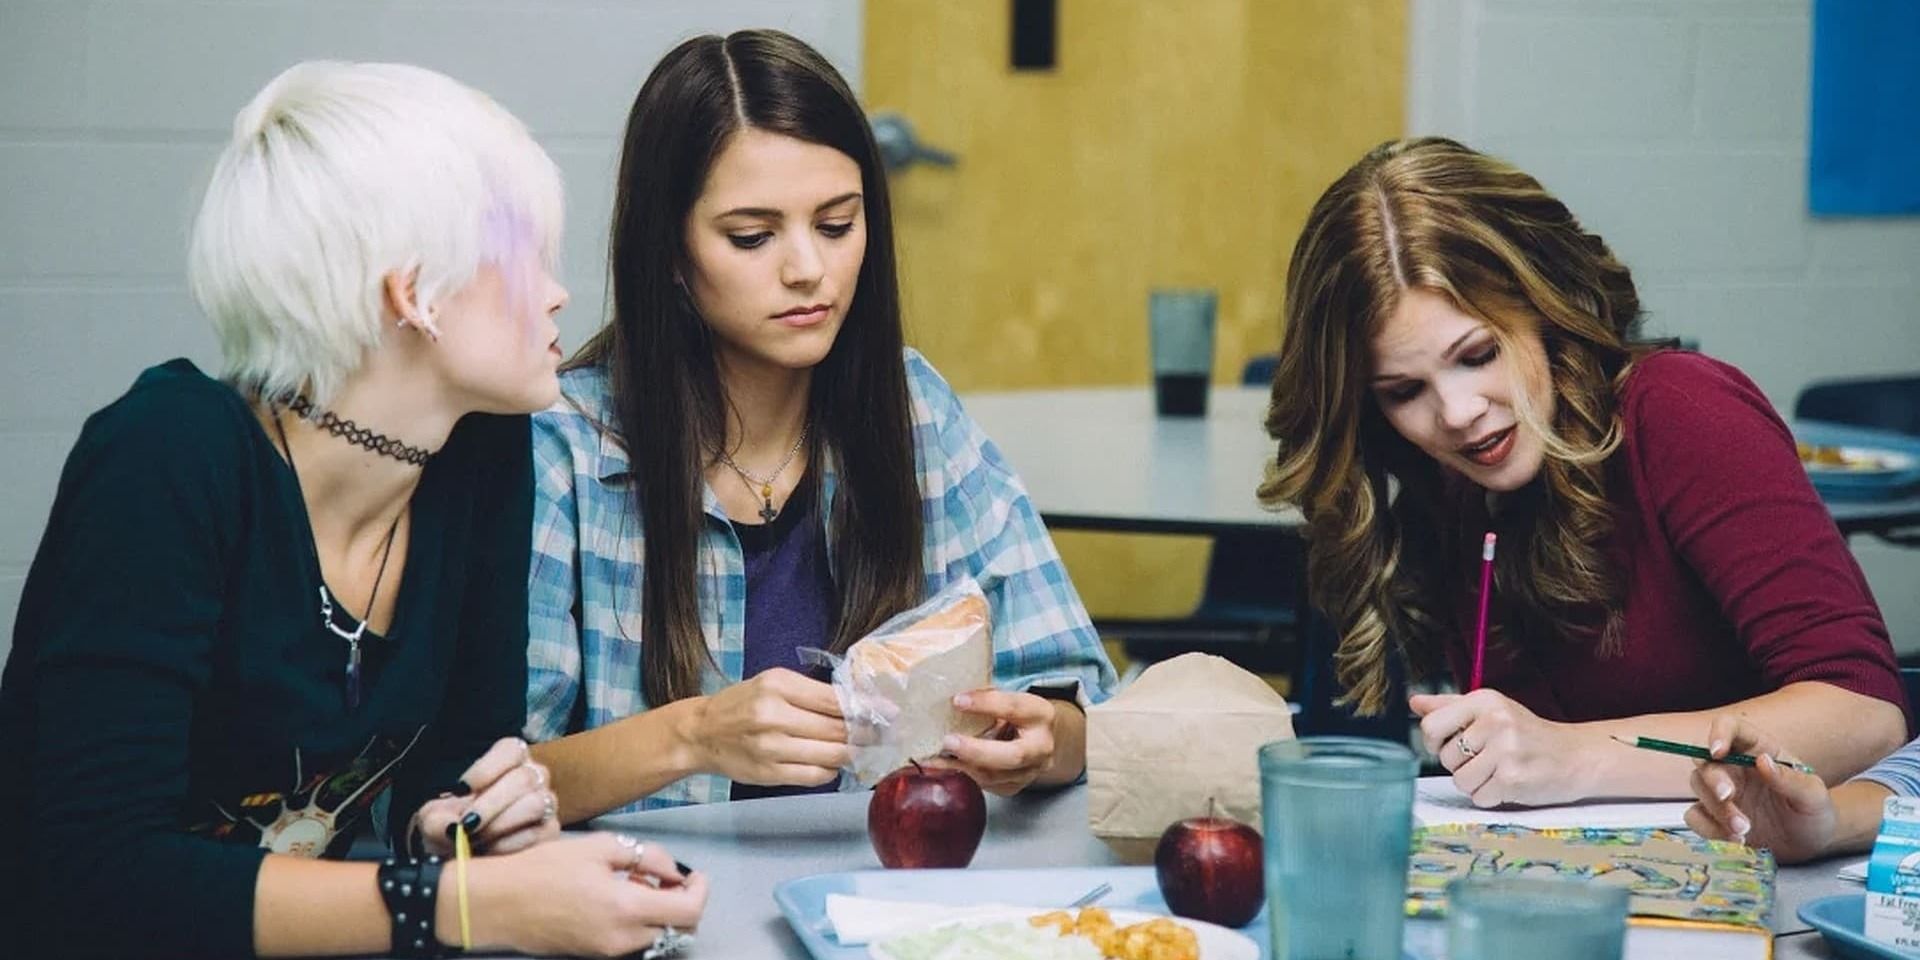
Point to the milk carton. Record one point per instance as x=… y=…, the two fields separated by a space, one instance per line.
x=1893 y=877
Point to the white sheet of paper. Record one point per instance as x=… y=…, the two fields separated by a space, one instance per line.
x=1854 y=872
x=1436 y=800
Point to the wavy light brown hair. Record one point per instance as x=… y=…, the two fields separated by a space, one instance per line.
x=1390 y=568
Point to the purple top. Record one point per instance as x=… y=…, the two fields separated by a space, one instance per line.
x=790 y=600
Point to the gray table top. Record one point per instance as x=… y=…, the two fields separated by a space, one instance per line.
x=1099 y=458
x=749 y=848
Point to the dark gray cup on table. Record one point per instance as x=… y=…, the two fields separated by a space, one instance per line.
x=1180 y=333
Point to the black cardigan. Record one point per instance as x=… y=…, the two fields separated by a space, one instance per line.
x=172 y=704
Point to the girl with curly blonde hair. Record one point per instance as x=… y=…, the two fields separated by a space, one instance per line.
x=1462 y=357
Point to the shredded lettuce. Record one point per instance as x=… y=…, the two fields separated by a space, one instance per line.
x=998 y=941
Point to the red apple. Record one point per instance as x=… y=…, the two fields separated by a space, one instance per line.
x=1209 y=869
x=926 y=817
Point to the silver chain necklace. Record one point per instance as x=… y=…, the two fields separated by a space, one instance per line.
x=764 y=485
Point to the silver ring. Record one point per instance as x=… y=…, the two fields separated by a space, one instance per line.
x=670 y=943
x=632 y=843
x=550 y=812
x=1466 y=749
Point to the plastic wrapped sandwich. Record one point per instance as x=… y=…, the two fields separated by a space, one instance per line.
x=896 y=685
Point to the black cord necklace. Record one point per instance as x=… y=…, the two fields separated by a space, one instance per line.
x=356 y=434
x=352 y=637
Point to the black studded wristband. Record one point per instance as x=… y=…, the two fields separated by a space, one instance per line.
x=411 y=889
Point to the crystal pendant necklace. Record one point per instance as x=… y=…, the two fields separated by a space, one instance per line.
x=359 y=631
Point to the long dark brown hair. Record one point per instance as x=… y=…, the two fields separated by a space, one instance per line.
x=1433 y=215
x=659 y=354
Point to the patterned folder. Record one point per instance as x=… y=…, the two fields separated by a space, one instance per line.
x=1672 y=873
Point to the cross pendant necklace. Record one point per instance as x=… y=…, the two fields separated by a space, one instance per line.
x=764 y=485
x=767 y=512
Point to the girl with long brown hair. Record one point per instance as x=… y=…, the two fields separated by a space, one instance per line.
x=1461 y=357
x=747 y=462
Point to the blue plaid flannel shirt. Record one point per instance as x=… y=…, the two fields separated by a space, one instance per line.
x=583 y=666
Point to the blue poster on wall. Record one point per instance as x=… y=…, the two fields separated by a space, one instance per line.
x=1865 y=152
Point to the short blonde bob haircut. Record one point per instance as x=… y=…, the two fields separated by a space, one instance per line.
x=338 y=174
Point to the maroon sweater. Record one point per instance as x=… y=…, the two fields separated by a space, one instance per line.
x=1737 y=580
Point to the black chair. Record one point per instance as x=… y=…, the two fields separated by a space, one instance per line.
x=1246 y=613
x=1884 y=403
x=1316 y=688
x=1259 y=371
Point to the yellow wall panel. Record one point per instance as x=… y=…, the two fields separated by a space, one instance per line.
x=1176 y=143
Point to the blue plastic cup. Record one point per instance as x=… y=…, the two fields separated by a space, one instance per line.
x=1493 y=918
x=1337 y=816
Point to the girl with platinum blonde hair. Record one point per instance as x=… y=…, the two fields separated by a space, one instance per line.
x=262 y=601
x=1462 y=356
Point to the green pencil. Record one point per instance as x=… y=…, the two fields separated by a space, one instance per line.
x=1700 y=753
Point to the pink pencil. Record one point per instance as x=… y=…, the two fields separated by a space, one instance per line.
x=1480 y=632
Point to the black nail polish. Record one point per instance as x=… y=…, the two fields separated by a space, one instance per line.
x=685 y=870
x=451 y=827
x=471 y=821
x=460 y=788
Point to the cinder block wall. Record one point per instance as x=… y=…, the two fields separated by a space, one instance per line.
x=1678 y=130
x=111 y=114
